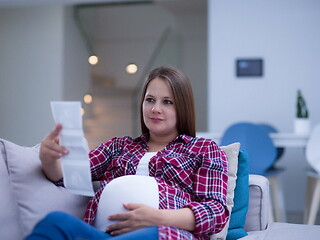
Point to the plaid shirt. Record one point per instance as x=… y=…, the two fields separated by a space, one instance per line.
x=191 y=172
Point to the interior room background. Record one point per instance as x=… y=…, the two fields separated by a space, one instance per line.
x=43 y=57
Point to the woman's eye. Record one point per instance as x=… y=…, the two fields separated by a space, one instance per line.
x=149 y=100
x=167 y=102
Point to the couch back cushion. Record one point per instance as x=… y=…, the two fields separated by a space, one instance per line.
x=241 y=199
x=35 y=194
x=10 y=225
x=238 y=193
x=232 y=152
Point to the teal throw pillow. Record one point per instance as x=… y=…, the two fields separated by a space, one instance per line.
x=241 y=199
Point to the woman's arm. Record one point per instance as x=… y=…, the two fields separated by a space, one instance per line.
x=210 y=183
x=181 y=218
x=141 y=216
x=50 y=153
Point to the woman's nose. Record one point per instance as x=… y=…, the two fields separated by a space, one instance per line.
x=156 y=108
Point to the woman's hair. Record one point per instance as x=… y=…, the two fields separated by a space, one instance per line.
x=182 y=97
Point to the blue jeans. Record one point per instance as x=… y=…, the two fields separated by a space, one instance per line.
x=63 y=226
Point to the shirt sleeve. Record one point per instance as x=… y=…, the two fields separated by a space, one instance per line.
x=210 y=192
x=99 y=158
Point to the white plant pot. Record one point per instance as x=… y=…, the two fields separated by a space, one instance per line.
x=302 y=125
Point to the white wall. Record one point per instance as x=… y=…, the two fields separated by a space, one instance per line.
x=75 y=60
x=193 y=28
x=286 y=35
x=39 y=62
x=30 y=71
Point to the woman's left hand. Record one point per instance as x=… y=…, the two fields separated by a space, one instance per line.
x=139 y=216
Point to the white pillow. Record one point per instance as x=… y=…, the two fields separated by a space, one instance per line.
x=232 y=152
x=10 y=220
x=35 y=194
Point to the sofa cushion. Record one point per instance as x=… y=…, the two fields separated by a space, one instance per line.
x=10 y=225
x=241 y=199
x=232 y=152
x=35 y=194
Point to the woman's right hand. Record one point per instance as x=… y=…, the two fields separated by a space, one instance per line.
x=50 y=153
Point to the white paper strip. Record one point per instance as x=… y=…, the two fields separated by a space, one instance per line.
x=76 y=164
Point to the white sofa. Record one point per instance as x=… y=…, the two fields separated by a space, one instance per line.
x=27 y=196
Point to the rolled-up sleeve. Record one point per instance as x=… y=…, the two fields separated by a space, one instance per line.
x=210 y=192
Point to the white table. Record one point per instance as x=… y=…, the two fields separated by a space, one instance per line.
x=279 y=139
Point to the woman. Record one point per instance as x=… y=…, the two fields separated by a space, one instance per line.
x=191 y=173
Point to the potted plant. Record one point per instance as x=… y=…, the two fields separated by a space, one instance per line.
x=302 y=122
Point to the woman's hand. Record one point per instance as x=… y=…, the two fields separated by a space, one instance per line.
x=50 y=152
x=139 y=216
x=50 y=149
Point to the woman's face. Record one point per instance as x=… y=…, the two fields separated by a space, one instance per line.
x=159 y=113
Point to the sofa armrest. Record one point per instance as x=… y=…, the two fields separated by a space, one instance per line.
x=257 y=215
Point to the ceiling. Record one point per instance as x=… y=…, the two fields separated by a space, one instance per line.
x=184 y=6
x=15 y=3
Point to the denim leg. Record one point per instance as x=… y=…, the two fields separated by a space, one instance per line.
x=63 y=226
x=149 y=233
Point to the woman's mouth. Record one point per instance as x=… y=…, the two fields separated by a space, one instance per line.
x=156 y=119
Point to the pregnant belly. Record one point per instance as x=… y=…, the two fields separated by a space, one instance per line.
x=126 y=189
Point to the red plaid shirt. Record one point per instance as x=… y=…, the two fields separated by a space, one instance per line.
x=191 y=172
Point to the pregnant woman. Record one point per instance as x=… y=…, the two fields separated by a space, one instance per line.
x=164 y=184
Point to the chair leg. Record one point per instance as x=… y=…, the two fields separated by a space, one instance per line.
x=314 y=203
x=277 y=199
x=271 y=215
x=271 y=204
x=309 y=190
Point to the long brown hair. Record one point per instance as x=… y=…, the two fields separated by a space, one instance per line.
x=182 y=96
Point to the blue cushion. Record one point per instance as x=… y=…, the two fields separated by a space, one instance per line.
x=241 y=199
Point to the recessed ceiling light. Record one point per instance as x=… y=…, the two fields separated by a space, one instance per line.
x=93 y=59
x=131 y=68
x=87 y=98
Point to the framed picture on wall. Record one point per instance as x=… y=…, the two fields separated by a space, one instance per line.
x=249 y=67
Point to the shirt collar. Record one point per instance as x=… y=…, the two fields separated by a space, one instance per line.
x=183 y=137
x=142 y=138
